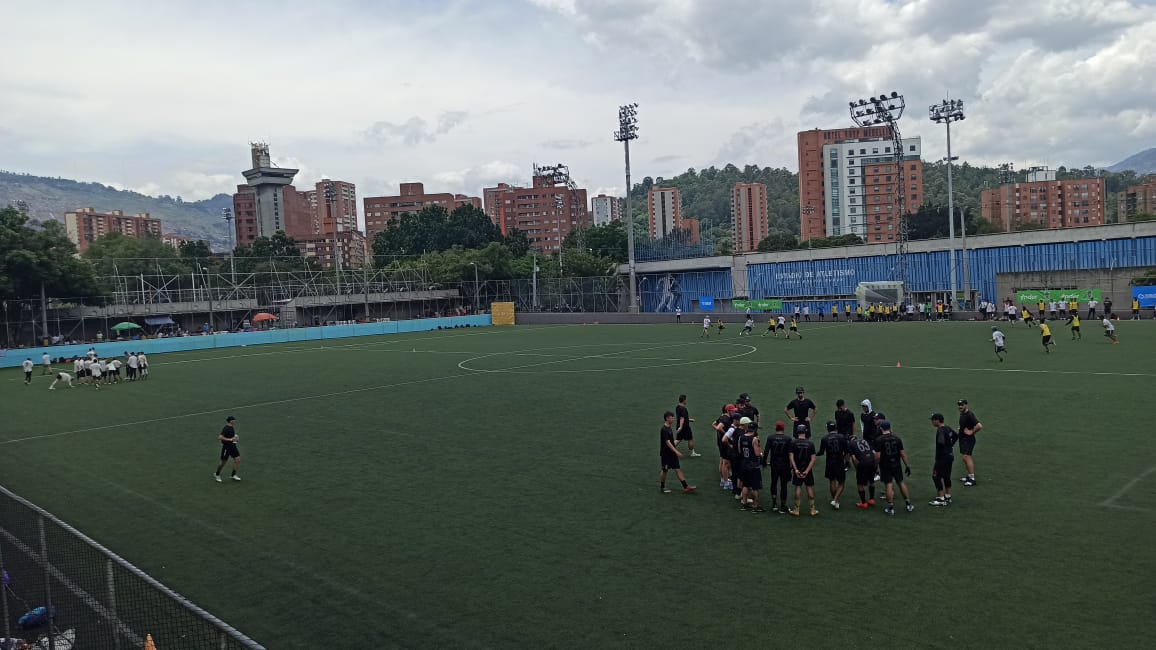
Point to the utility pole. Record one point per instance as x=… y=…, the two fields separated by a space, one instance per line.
x=945 y=113
x=535 y=282
x=227 y=215
x=627 y=131
x=963 y=240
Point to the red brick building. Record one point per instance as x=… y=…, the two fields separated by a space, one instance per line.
x=1044 y=202
x=351 y=243
x=86 y=225
x=296 y=211
x=380 y=211
x=663 y=211
x=546 y=212
x=1137 y=199
x=749 y=216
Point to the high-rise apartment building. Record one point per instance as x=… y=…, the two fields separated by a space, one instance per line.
x=380 y=211
x=664 y=211
x=352 y=245
x=547 y=211
x=749 y=215
x=605 y=209
x=1044 y=202
x=1137 y=199
x=849 y=182
x=86 y=225
x=268 y=202
x=334 y=205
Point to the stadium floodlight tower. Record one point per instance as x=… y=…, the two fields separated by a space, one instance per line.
x=885 y=110
x=946 y=112
x=627 y=131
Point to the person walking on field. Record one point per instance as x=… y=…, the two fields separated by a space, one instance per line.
x=228 y=438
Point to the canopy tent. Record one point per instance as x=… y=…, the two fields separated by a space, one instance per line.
x=158 y=320
x=263 y=316
x=126 y=325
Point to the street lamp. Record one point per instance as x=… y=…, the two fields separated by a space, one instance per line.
x=477 y=287
x=627 y=131
x=945 y=113
x=227 y=215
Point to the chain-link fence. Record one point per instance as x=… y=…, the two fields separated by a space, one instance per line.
x=63 y=591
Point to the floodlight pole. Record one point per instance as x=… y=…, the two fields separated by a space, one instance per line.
x=227 y=215
x=885 y=110
x=946 y=112
x=627 y=131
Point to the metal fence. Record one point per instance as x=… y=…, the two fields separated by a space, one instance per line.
x=91 y=598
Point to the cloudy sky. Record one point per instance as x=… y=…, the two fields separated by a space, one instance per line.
x=163 y=97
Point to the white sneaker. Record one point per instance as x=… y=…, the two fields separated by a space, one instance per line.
x=695 y=454
x=834 y=504
x=236 y=478
x=217 y=477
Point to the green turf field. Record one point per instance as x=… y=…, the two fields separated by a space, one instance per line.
x=498 y=487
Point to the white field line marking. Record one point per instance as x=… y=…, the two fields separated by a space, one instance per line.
x=1007 y=370
x=572 y=358
x=290 y=400
x=296 y=568
x=516 y=369
x=1110 y=502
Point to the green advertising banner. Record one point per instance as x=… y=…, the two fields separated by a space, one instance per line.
x=1059 y=295
x=761 y=304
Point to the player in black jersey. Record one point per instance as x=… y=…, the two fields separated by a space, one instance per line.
x=682 y=430
x=834 y=447
x=670 y=455
x=801 y=410
x=844 y=419
x=945 y=438
x=752 y=475
x=777 y=456
x=802 y=466
x=863 y=458
x=721 y=425
x=228 y=438
x=892 y=462
x=969 y=425
x=867 y=419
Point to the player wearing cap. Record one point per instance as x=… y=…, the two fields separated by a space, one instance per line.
x=61 y=376
x=1046 y=336
x=892 y=462
x=834 y=447
x=969 y=425
x=776 y=455
x=1074 y=322
x=945 y=438
x=802 y=466
x=27 y=366
x=800 y=410
x=682 y=422
x=747 y=326
x=722 y=424
x=1110 y=329
x=745 y=408
x=228 y=438
x=752 y=475
x=705 y=327
x=997 y=337
x=731 y=445
x=667 y=452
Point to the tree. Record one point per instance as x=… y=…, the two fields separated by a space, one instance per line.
x=1142 y=216
x=197 y=250
x=608 y=241
x=434 y=229
x=32 y=259
x=117 y=254
x=517 y=242
x=780 y=241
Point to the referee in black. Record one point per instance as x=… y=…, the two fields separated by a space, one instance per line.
x=228 y=438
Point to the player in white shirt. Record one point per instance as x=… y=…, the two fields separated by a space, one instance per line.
x=142 y=364
x=114 y=371
x=678 y=315
x=997 y=338
x=46 y=364
x=27 y=366
x=103 y=363
x=747 y=326
x=77 y=368
x=91 y=353
x=1110 y=330
x=705 y=327
x=133 y=364
x=61 y=376
x=94 y=370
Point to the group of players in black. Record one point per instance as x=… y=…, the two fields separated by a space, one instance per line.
x=877 y=454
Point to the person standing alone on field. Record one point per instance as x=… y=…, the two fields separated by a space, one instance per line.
x=997 y=337
x=682 y=428
x=1110 y=329
x=801 y=410
x=27 y=366
x=228 y=438
x=678 y=315
x=45 y=364
x=670 y=455
x=705 y=327
x=969 y=425
x=941 y=472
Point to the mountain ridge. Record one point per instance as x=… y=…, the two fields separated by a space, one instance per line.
x=1143 y=162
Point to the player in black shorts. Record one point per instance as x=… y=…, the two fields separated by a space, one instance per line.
x=682 y=422
x=844 y=419
x=722 y=424
x=752 y=474
x=228 y=438
x=945 y=439
x=834 y=447
x=863 y=458
x=867 y=421
x=802 y=466
x=777 y=456
x=670 y=455
x=969 y=425
x=892 y=462
x=801 y=410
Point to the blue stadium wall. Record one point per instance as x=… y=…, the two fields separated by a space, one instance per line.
x=834 y=280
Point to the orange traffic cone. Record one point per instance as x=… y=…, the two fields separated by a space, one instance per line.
x=149 y=645
x=898 y=365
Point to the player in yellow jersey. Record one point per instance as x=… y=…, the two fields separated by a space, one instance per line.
x=859 y=311
x=1074 y=321
x=794 y=329
x=847 y=311
x=1046 y=336
x=1027 y=316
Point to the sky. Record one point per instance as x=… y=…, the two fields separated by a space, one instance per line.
x=164 y=97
